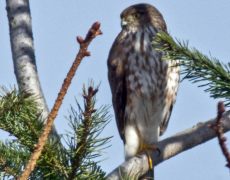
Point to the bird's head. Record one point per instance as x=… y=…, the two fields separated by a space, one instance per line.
x=140 y=15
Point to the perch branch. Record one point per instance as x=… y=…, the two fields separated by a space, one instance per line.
x=170 y=147
x=84 y=43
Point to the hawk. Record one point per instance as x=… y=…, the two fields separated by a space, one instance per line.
x=143 y=86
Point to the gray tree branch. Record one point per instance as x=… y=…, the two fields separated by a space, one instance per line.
x=22 y=47
x=169 y=148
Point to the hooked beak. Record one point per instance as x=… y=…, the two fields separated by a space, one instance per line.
x=123 y=22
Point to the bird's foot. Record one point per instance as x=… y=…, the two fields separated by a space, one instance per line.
x=148 y=149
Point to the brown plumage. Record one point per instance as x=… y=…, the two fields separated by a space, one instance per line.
x=143 y=85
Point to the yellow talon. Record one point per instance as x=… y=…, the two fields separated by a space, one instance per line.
x=147 y=148
x=150 y=162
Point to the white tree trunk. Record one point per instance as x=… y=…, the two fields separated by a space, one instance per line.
x=22 y=47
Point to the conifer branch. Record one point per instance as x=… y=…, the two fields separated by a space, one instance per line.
x=197 y=67
x=19 y=117
x=87 y=125
x=12 y=159
x=84 y=43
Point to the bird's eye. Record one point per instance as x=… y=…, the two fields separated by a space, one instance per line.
x=136 y=15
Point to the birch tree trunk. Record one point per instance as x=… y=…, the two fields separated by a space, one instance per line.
x=22 y=47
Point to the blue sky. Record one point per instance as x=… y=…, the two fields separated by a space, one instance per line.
x=204 y=23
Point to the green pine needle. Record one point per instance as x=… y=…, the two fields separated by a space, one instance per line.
x=85 y=145
x=20 y=117
x=209 y=72
x=12 y=159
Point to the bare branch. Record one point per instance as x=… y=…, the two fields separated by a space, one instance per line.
x=218 y=127
x=84 y=43
x=170 y=147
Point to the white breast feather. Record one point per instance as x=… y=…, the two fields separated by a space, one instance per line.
x=145 y=114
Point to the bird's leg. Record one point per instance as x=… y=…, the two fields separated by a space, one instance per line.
x=148 y=149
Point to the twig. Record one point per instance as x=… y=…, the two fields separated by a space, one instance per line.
x=218 y=127
x=89 y=110
x=84 y=43
x=170 y=147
